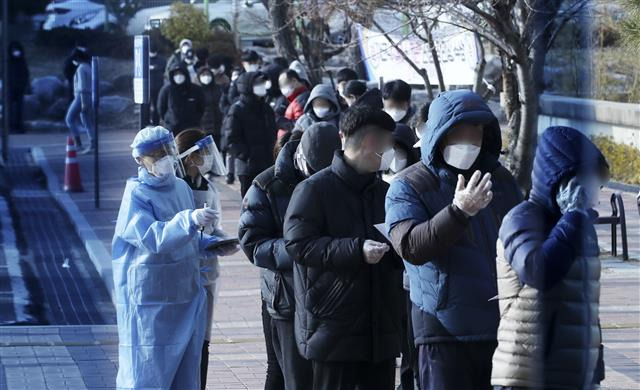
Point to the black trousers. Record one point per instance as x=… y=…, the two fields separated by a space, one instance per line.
x=297 y=371
x=245 y=183
x=275 y=379
x=204 y=365
x=354 y=376
x=456 y=365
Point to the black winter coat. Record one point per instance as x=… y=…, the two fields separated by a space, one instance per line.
x=346 y=309
x=260 y=231
x=249 y=129
x=180 y=106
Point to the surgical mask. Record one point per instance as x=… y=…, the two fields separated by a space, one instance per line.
x=396 y=114
x=260 y=89
x=17 y=53
x=179 y=78
x=287 y=90
x=385 y=159
x=252 y=67
x=74 y=62
x=164 y=166
x=207 y=162
x=321 y=112
x=397 y=164
x=218 y=70
x=461 y=156
x=206 y=79
x=234 y=76
x=185 y=48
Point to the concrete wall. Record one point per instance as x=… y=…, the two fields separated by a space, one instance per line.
x=621 y=121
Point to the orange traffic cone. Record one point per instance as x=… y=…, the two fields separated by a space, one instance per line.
x=72 y=180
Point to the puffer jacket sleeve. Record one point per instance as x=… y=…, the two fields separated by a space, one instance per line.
x=541 y=259
x=163 y=100
x=415 y=236
x=145 y=232
x=259 y=235
x=305 y=239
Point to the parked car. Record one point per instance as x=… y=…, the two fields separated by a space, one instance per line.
x=78 y=14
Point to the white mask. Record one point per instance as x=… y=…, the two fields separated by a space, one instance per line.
x=219 y=70
x=17 y=53
x=396 y=114
x=206 y=79
x=461 y=156
x=321 y=112
x=179 y=78
x=163 y=167
x=185 y=48
x=286 y=90
x=207 y=163
x=234 y=76
x=385 y=159
x=397 y=164
x=252 y=67
x=260 y=89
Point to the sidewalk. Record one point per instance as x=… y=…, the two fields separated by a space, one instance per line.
x=79 y=357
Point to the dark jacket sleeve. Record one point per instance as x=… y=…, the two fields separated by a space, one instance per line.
x=541 y=260
x=234 y=131
x=200 y=102
x=163 y=101
x=259 y=235
x=416 y=236
x=305 y=239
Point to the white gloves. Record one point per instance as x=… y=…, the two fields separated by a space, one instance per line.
x=475 y=196
x=373 y=251
x=204 y=217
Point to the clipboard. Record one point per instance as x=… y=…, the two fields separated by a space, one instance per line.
x=223 y=242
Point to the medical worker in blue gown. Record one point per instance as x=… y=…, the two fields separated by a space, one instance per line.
x=157 y=247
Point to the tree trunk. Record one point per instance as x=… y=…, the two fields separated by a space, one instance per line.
x=479 y=70
x=434 y=56
x=283 y=37
x=311 y=37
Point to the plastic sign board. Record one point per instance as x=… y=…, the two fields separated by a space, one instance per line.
x=141 y=69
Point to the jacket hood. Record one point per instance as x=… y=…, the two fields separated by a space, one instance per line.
x=562 y=153
x=245 y=82
x=450 y=108
x=175 y=69
x=323 y=91
x=285 y=170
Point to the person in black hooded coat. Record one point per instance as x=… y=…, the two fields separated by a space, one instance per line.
x=249 y=129
x=180 y=103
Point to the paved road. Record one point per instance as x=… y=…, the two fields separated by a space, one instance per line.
x=85 y=356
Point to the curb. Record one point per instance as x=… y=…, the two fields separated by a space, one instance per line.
x=98 y=254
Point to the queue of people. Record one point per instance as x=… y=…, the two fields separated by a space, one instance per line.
x=381 y=230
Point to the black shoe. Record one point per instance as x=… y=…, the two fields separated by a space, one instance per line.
x=230 y=179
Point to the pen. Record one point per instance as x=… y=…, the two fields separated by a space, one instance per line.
x=202 y=228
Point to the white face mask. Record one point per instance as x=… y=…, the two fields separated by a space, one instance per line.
x=185 y=48
x=461 y=156
x=163 y=167
x=321 y=112
x=74 y=62
x=397 y=164
x=260 y=89
x=219 y=70
x=179 y=78
x=17 y=53
x=396 y=114
x=252 y=67
x=207 y=163
x=385 y=159
x=234 y=76
x=206 y=79
x=286 y=90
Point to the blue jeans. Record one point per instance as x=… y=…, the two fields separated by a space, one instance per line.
x=79 y=117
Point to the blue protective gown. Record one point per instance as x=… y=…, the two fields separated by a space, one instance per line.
x=160 y=300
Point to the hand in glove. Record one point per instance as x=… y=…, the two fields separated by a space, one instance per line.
x=373 y=251
x=475 y=196
x=573 y=196
x=204 y=217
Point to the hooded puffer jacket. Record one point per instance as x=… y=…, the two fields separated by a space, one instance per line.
x=549 y=277
x=310 y=117
x=452 y=267
x=180 y=106
x=250 y=128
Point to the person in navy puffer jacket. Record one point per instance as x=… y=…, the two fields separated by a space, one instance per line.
x=443 y=215
x=549 y=272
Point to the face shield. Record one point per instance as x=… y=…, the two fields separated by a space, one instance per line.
x=159 y=156
x=206 y=157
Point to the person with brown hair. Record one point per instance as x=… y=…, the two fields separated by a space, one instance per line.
x=201 y=161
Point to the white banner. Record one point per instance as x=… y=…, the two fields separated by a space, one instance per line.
x=457 y=52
